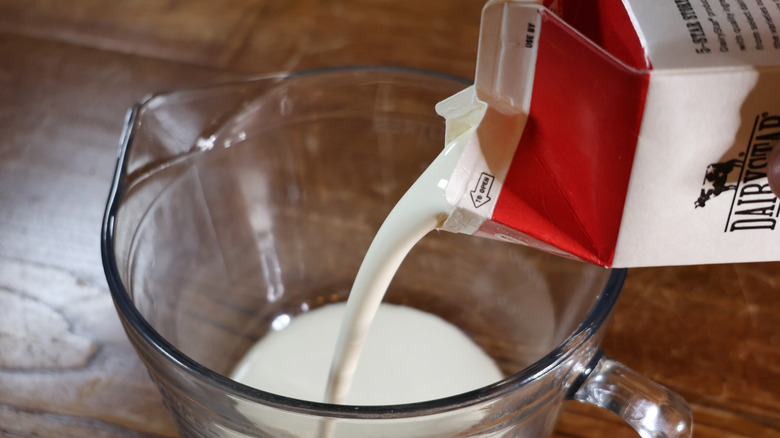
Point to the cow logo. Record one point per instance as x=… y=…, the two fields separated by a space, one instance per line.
x=752 y=206
x=716 y=180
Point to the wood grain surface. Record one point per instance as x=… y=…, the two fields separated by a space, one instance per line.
x=68 y=72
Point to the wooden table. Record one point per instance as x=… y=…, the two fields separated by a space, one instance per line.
x=68 y=72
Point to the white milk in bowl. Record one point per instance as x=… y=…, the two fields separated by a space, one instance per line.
x=408 y=356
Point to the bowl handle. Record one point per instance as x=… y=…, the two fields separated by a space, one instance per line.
x=651 y=409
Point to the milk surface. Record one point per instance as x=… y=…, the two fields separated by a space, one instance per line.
x=409 y=356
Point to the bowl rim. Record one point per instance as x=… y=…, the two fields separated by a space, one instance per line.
x=134 y=322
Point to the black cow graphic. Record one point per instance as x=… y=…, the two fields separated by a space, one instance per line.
x=717 y=175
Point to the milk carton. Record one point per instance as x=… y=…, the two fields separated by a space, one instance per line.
x=623 y=133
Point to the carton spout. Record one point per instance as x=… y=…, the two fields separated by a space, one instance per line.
x=489 y=117
x=488 y=138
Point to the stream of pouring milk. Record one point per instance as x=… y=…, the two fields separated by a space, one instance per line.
x=411 y=355
x=422 y=209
